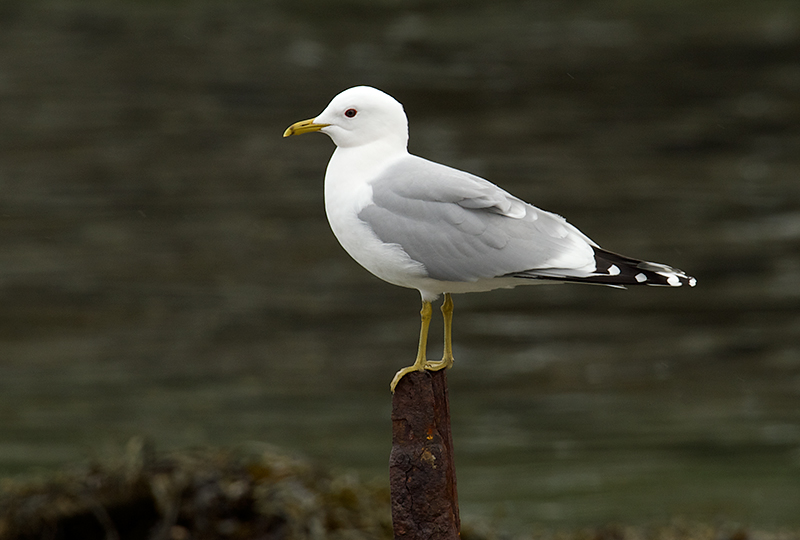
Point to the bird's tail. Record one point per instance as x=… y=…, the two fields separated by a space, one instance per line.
x=619 y=271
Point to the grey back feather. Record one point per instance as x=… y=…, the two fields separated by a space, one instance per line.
x=464 y=228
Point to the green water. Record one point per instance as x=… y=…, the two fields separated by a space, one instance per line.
x=166 y=269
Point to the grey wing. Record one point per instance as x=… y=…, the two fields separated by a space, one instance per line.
x=463 y=228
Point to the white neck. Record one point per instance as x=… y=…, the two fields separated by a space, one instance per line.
x=360 y=163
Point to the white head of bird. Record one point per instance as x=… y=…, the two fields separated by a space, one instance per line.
x=360 y=116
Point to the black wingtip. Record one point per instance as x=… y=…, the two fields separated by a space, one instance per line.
x=615 y=269
x=620 y=271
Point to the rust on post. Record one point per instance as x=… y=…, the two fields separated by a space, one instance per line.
x=422 y=472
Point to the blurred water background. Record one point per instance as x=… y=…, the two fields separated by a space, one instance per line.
x=166 y=268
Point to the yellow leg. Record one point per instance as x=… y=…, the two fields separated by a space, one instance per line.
x=447 y=358
x=419 y=363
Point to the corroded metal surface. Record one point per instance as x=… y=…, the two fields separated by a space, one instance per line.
x=421 y=467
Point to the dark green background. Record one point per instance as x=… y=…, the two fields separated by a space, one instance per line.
x=166 y=268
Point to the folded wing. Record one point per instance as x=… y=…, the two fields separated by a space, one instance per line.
x=463 y=228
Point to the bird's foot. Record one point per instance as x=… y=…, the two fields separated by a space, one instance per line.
x=429 y=365
x=405 y=371
x=436 y=365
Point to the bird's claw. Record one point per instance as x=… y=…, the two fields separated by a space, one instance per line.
x=436 y=365
x=403 y=372
x=430 y=365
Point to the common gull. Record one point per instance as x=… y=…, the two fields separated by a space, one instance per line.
x=426 y=226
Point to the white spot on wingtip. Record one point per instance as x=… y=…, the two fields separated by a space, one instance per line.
x=674 y=280
x=640 y=277
x=613 y=270
x=692 y=282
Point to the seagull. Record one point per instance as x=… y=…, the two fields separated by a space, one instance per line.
x=426 y=226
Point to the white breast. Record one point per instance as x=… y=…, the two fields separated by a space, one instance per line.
x=347 y=192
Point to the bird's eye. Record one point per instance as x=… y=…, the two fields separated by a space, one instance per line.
x=350 y=113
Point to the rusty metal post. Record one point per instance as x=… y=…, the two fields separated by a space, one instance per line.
x=422 y=473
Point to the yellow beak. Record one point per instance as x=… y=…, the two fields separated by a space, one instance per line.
x=306 y=126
